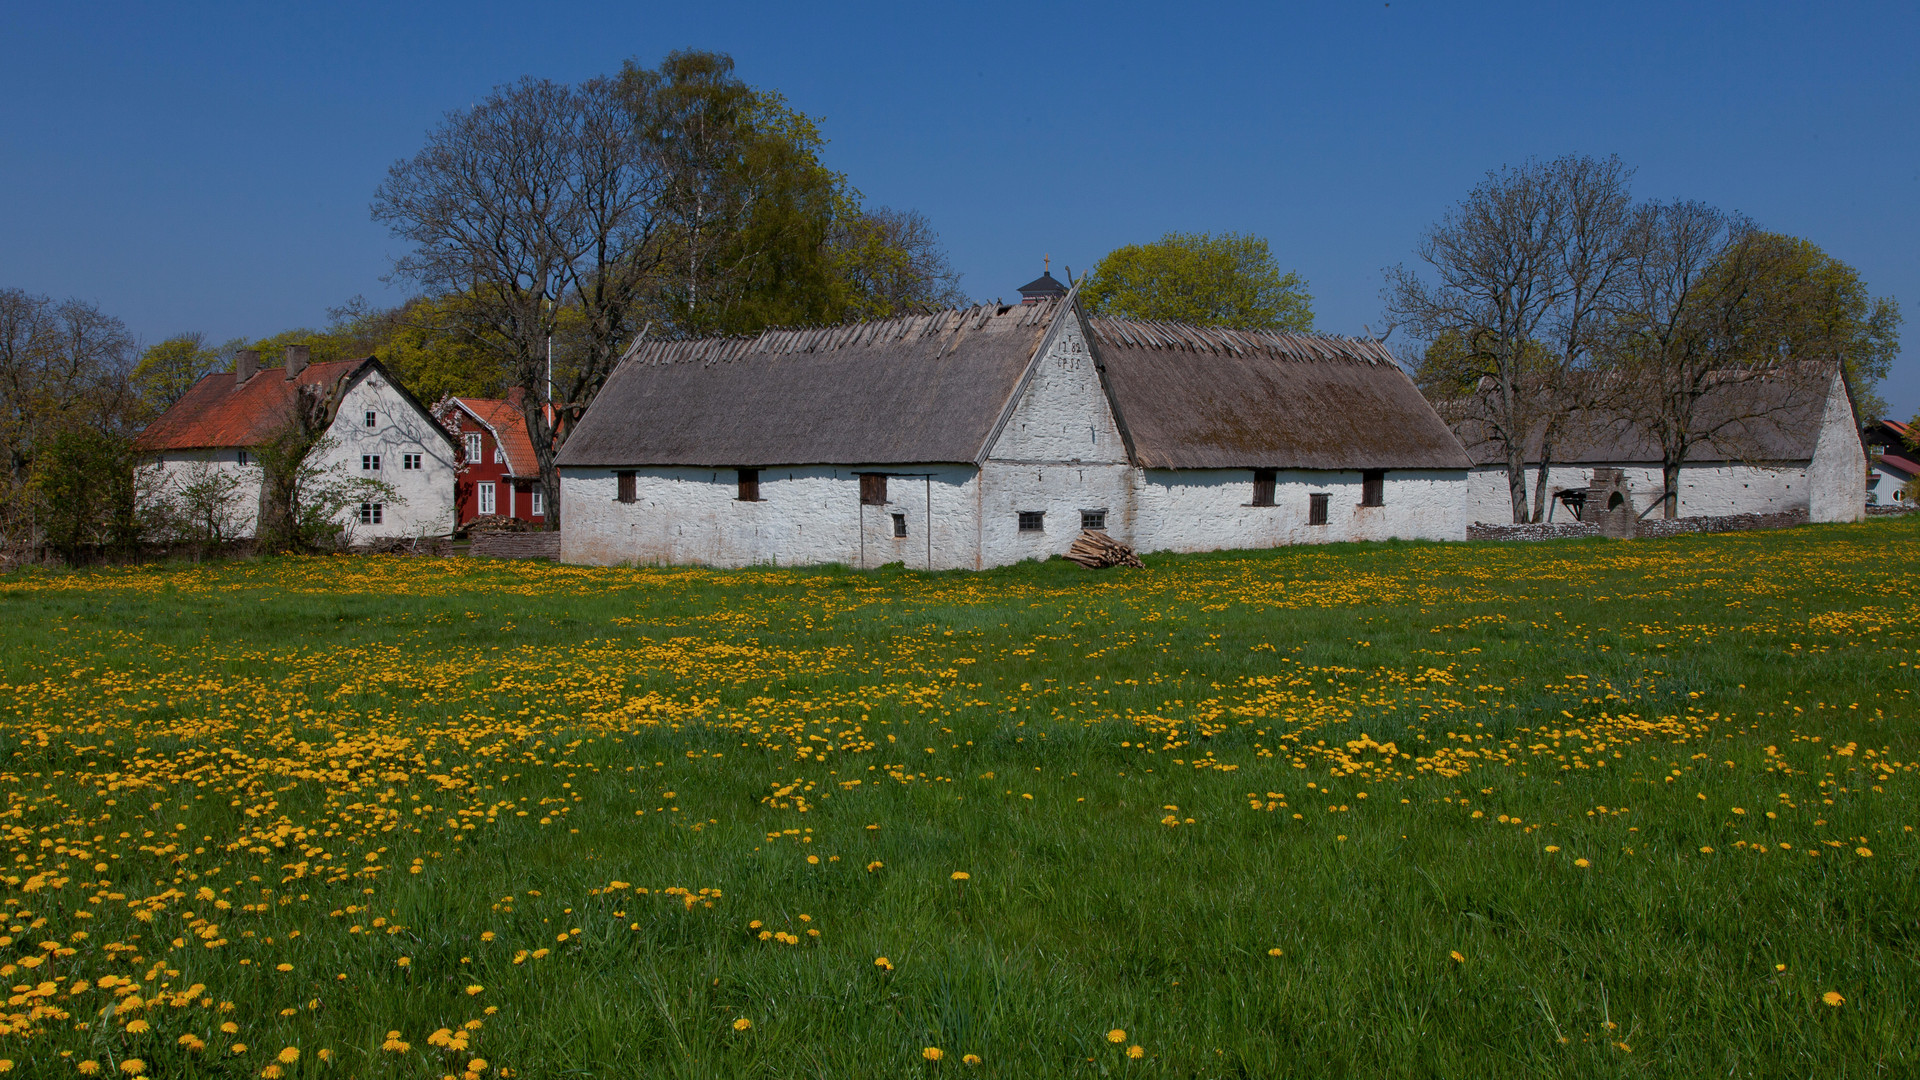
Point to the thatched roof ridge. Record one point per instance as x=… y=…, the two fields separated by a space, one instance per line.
x=787 y=341
x=1224 y=341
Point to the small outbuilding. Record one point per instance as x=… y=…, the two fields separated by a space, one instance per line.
x=981 y=437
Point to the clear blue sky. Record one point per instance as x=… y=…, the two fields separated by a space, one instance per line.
x=210 y=169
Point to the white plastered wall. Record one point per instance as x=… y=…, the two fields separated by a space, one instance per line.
x=1059 y=454
x=424 y=506
x=1708 y=489
x=1836 y=478
x=1211 y=509
x=806 y=515
x=165 y=476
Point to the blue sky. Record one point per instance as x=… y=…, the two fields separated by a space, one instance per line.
x=210 y=168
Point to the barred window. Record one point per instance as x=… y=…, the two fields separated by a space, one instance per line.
x=899 y=525
x=1093 y=520
x=1317 y=508
x=1033 y=521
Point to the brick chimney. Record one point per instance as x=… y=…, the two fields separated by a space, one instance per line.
x=246 y=363
x=296 y=360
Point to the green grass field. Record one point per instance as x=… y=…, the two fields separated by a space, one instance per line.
x=1571 y=809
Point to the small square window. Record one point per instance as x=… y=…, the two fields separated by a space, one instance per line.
x=1317 y=508
x=749 y=485
x=370 y=512
x=627 y=494
x=499 y=455
x=1033 y=521
x=411 y=462
x=369 y=462
x=373 y=418
x=1093 y=520
x=899 y=525
x=1373 y=487
x=473 y=447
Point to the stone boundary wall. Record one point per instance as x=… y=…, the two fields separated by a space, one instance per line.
x=1895 y=508
x=516 y=545
x=1652 y=528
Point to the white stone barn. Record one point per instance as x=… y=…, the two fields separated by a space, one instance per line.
x=978 y=438
x=1775 y=445
x=379 y=431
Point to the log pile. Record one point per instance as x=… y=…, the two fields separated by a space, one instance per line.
x=1097 y=551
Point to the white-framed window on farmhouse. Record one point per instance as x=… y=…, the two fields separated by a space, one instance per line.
x=538 y=506
x=411 y=462
x=473 y=447
x=373 y=418
x=486 y=498
x=371 y=512
x=369 y=462
x=499 y=455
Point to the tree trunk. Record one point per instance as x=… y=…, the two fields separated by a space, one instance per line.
x=1540 y=478
x=1517 y=484
x=1670 y=489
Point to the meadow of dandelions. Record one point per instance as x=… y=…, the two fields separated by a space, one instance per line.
x=1570 y=809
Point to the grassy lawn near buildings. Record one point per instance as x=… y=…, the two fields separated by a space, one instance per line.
x=1580 y=809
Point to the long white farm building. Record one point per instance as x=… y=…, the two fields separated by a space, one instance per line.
x=982 y=437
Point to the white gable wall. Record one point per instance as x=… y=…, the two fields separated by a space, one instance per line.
x=424 y=506
x=1837 y=476
x=164 y=476
x=1059 y=453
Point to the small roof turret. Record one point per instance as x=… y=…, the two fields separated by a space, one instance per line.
x=1045 y=287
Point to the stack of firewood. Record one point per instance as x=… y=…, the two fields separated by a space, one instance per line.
x=1097 y=551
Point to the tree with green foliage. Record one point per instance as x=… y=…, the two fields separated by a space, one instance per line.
x=166 y=371
x=84 y=483
x=1808 y=305
x=1227 y=280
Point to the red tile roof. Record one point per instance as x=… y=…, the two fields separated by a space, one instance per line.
x=509 y=426
x=218 y=413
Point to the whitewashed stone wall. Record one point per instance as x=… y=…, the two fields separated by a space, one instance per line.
x=1210 y=509
x=806 y=515
x=1837 y=476
x=164 y=477
x=1060 y=454
x=1706 y=490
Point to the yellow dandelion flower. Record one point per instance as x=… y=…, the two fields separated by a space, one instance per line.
x=230 y=1028
x=742 y=1024
x=970 y=1059
x=883 y=963
x=1117 y=1035
x=1458 y=957
x=1275 y=952
x=6 y=1064
x=288 y=1056
x=324 y=1054
x=1582 y=863
x=270 y=1072
x=283 y=967
x=932 y=1053
x=1779 y=967
x=1136 y=1052
x=89 y=1068
x=1553 y=849
x=405 y=961
x=238 y=1048
x=472 y=990
x=1833 y=998
x=138 y=1027
x=133 y=1066
x=961 y=875
x=1864 y=853
x=477 y=1065
x=1706 y=851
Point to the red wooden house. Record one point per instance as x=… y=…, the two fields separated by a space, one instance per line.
x=498 y=474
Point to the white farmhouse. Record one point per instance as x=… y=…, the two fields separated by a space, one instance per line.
x=1771 y=445
x=379 y=431
x=977 y=438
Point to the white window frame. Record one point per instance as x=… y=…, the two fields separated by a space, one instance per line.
x=372 y=418
x=411 y=463
x=369 y=462
x=537 y=505
x=487 y=501
x=473 y=447
x=371 y=513
x=499 y=454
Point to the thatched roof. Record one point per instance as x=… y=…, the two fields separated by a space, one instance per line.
x=1195 y=397
x=933 y=389
x=1752 y=419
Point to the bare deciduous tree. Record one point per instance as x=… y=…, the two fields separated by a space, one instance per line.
x=536 y=206
x=1698 y=363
